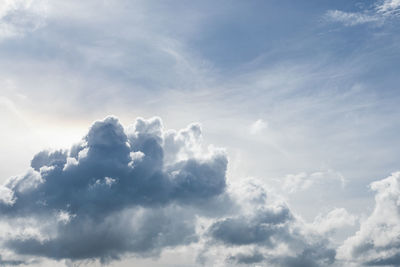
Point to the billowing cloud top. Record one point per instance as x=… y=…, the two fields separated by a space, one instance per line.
x=141 y=189
x=81 y=201
x=377 y=243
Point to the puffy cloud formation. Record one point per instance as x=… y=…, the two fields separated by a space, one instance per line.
x=335 y=219
x=141 y=189
x=264 y=231
x=377 y=243
x=119 y=190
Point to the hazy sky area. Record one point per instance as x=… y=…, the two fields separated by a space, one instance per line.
x=200 y=133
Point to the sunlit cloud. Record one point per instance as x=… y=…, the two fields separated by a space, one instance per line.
x=278 y=122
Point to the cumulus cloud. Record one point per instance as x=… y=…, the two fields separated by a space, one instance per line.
x=333 y=220
x=6 y=195
x=142 y=189
x=113 y=193
x=265 y=231
x=377 y=242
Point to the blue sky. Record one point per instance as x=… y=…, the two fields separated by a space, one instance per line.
x=302 y=95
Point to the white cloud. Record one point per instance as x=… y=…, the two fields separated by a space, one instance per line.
x=302 y=181
x=334 y=220
x=258 y=126
x=6 y=195
x=64 y=216
x=377 y=242
x=382 y=11
x=350 y=18
x=18 y=17
x=389 y=7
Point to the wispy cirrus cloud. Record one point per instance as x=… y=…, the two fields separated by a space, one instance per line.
x=303 y=181
x=389 y=7
x=350 y=18
x=381 y=11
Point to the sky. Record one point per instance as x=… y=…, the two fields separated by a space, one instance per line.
x=199 y=133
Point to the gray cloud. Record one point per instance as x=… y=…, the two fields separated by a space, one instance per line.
x=393 y=260
x=312 y=256
x=111 y=237
x=271 y=230
x=266 y=231
x=11 y=262
x=242 y=258
x=141 y=189
x=261 y=229
x=113 y=193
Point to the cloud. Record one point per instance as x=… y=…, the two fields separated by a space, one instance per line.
x=259 y=229
x=112 y=193
x=265 y=231
x=302 y=181
x=258 y=126
x=18 y=17
x=241 y=258
x=14 y=262
x=139 y=190
x=350 y=18
x=377 y=241
x=389 y=7
x=6 y=196
x=333 y=220
x=381 y=11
